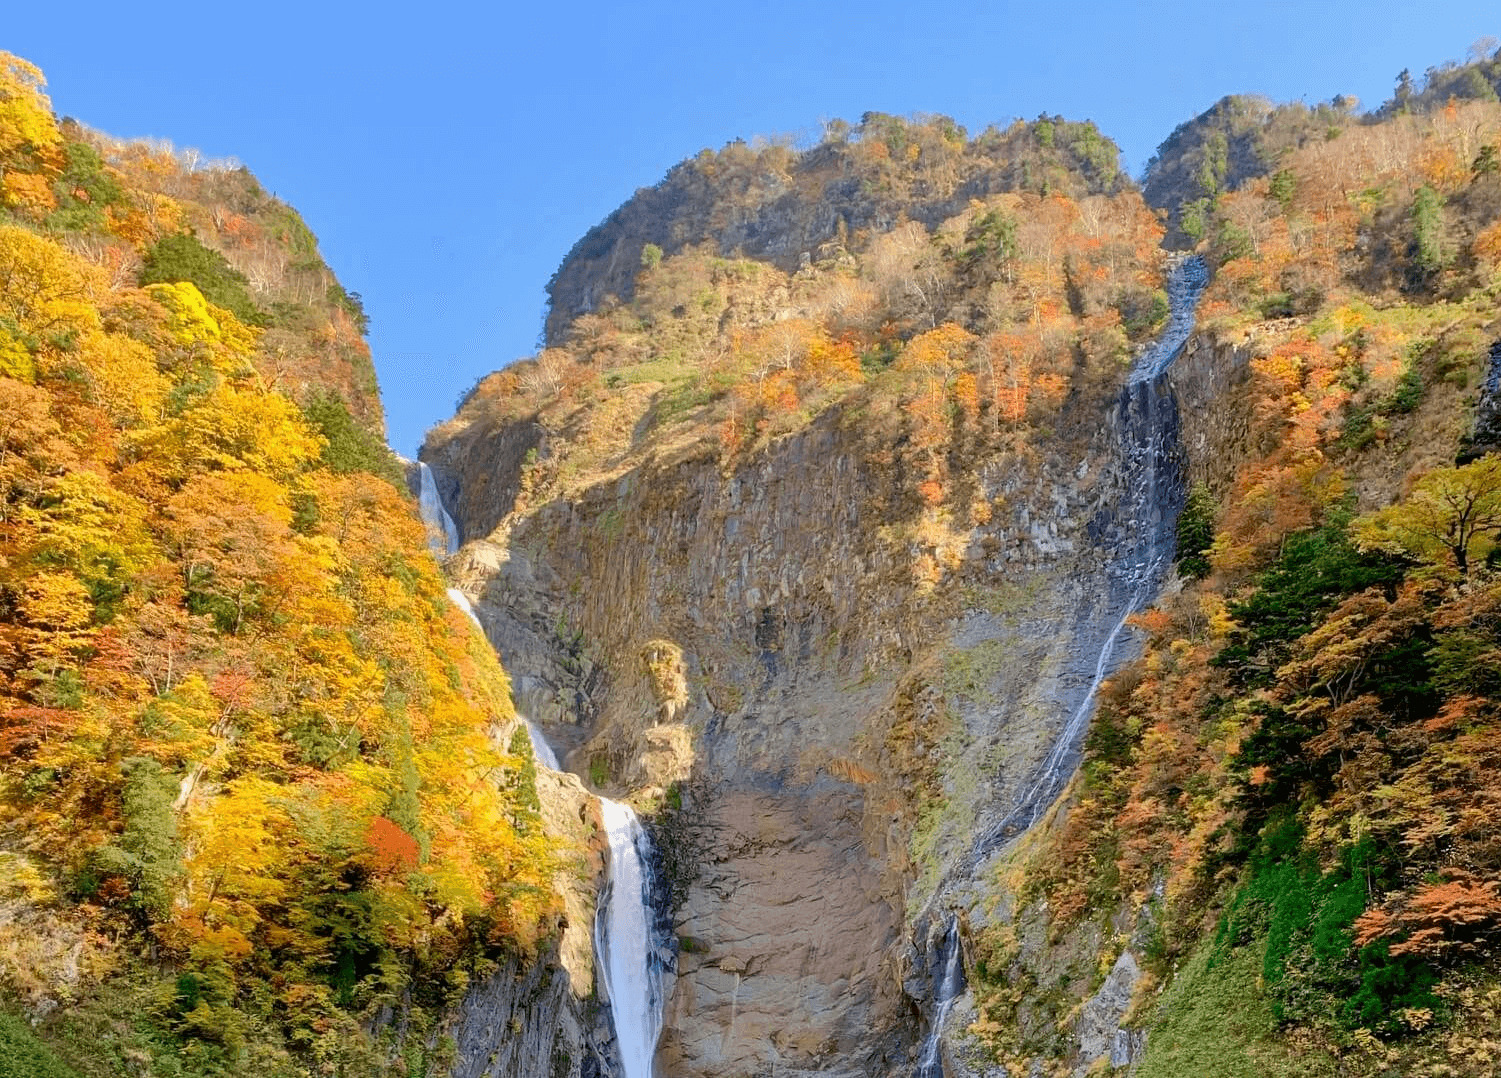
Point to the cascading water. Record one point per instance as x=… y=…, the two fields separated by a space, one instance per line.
x=540 y=748
x=1185 y=284
x=627 y=936
x=626 y=932
x=442 y=533
x=625 y=939
x=1146 y=525
x=948 y=987
x=460 y=600
x=1140 y=534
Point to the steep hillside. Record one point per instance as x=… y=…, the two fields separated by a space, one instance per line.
x=739 y=545
x=260 y=807
x=1239 y=138
x=1264 y=786
x=1245 y=137
x=821 y=560
x=776 y=205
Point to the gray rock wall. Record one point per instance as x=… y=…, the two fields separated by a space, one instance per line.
x=527 y=1021
x=848 y=731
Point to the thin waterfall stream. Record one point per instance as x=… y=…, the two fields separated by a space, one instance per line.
x=1152 y=484
x=627 y=935
x=948 y=988
x=1153 y=488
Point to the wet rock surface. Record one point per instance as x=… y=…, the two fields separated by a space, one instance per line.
x=824 y=693
x=1486 y=437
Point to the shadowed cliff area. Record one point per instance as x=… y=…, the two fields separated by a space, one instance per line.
x=1046 y=625
x=868 y=461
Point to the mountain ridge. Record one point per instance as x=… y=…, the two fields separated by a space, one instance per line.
x=810 y=532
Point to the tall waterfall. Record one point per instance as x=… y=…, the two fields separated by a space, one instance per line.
x=1145 y=525
x=948 y=988
x=625 y=941
x=627 y=937
x=442 y=533
x=626 y=933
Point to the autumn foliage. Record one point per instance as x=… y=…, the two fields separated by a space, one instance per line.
x=1304 y=759
x=241 y=726
x=962 y=338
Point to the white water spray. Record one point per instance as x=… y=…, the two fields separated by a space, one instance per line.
x=460 y=600
x=625 y=945
x=540 y=748
x=949 y=988
x=442 y=533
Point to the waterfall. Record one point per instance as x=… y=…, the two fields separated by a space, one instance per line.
x=540 y=748
x=442 y=533
x=626 y=929
x=625 y=941
x=460 y=600
x=1185 y=283
x=1147 y=521
x=949 y=987
x=627 y=935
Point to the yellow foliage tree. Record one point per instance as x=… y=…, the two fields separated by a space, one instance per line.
x=1451 y=518
x=29 y=138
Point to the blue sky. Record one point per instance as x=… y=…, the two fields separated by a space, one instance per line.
x=448 y=155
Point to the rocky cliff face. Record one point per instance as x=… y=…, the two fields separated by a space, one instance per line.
x=831 y=734
x=820 y=556
x=542 y=1016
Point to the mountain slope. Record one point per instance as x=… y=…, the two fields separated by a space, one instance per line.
x=817 y=556
x=772 y=204
x=259 y=811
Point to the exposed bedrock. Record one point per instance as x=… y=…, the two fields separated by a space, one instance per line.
x=830 y=739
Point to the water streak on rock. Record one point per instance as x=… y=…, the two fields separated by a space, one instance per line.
x=442 y=533
x=949 y=987
x=1147 y=416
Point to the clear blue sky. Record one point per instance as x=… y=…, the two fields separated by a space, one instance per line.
x=448 y=155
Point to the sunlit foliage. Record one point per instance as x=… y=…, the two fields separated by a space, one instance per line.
x=242 y=729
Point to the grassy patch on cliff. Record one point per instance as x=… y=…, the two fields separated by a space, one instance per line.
x=22 y=1055
x=1214 y=1022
